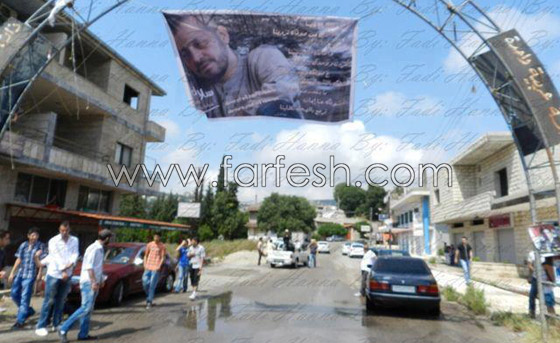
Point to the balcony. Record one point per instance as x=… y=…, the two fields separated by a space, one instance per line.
x=479 y=205
x=155 y=132
x=37 y=154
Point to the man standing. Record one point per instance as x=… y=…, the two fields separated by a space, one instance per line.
x=4 y=242
x=197 y=255
x=23 y=275
x=153 y=260
x=91 y=280
x=464 y=254
x=182 y=267
x=287 y=240
x=260 y=250
x=534 y=291
x=63 y=254
x=313 y=254
x=367 y=260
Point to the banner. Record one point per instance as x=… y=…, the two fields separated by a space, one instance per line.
x=244 y=65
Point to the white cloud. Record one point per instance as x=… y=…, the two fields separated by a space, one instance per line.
x=172 y=129
x=537 y=29
x=350 y=143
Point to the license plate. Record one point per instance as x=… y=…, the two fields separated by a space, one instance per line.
x=279 y=261
x=404 y=289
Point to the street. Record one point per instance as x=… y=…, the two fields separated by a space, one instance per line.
x=242 y=302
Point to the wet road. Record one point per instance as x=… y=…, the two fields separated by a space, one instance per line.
x=245 y=303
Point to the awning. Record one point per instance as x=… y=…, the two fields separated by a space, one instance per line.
x=50 y=214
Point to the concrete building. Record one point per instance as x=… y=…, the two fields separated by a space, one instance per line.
x=72 y=124
x=253 y=232
x=488 y=201
x=411 y=222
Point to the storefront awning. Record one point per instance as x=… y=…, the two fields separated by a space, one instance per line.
x=50 y=214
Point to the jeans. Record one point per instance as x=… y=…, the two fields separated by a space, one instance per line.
x=465 y=264
x=363 y=283
x=182 y=278
x=22 y=290
x=312 y=261
x=533 y=295
x=149 y=282
x=56 y=291
x=83 y=314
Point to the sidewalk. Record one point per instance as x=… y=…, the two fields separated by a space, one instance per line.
x=502 y=293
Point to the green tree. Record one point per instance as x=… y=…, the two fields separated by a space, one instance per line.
x=133 y=205
x=374 y=200
x=164 y=208
x=280 y=212
x=349 y=198
x=330 y=229
x=227 y=219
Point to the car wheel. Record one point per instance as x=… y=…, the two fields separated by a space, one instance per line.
x=370 y=306
x=272 y=265
x=169 y=281
x=295 y=264
x=117 y=295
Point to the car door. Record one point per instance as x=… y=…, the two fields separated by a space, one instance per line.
x=135 y=283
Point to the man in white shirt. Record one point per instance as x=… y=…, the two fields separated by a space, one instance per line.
x=367 y=259
x=196 y=258
x=91 y=280
x=63 y=254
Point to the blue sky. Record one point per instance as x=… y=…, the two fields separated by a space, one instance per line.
x=411 y=92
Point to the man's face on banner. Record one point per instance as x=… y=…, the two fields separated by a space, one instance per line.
x=203 y=52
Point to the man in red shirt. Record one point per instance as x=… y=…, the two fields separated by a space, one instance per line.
x=153 y=260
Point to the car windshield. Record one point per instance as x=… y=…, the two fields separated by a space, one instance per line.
x=401 y=266
x=323 y=243
x=357 y=245
x=347 y=244
x=391 y=253
x=118 y=255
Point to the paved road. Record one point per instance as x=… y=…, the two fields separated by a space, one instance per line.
x=244 y=303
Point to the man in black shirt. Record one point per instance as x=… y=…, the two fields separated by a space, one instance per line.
x=464 y=255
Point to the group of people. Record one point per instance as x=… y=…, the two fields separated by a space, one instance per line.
x=60 y=256
x=264 y=247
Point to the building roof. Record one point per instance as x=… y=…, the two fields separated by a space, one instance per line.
x=27 y=8
x=482 y=148
x=42 y=213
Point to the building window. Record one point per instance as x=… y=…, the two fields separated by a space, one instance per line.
x=436 y=194
x=477 y=222
x=502 y=187
x=40 y=190
x=131 y=96
x=123 y=155
x=93 y=200
x=457 y=225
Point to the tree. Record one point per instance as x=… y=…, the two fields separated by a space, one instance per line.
x=280 y=212
x=331 y=229
x=164 y=208
x=227 y=219
x=349 y=198
x=133 y=205
x=374 y=200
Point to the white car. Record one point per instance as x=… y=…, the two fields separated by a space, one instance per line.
x=346 y=248
x=323 y=247
x=356 y=250
x=280 y=257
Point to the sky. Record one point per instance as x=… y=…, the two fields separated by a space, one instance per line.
x=416 y=100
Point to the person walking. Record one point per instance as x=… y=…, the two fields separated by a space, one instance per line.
x=182 y=267
x=23 y=275
x=63 y=255
x=464 y=255
x=91 y=280
x=367 y=261
x=534 y=290
x=313 y=254
x=196 y=255
x=4 y=242
x=153 y=260
x=260 y=250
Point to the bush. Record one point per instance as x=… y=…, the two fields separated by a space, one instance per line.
x=475 y=300
x=476 y=259
x=440 y=252
x=450 y=294
x=316 y=236
x=432 y=260
x=515 y=322
x=205 y=233
x=331 y=229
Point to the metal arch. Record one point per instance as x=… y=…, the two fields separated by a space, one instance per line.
x=40 y=16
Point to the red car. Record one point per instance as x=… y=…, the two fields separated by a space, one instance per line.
x=123 y=269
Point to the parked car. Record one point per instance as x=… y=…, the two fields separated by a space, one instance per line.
x=402 y=281
x=346 y=248
x=389 y=252
x=293 y=256
x=356 y=250
x=323 y=247
x=123 y=269
x=335 y=238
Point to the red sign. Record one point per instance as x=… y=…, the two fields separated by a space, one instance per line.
x=503 y=220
